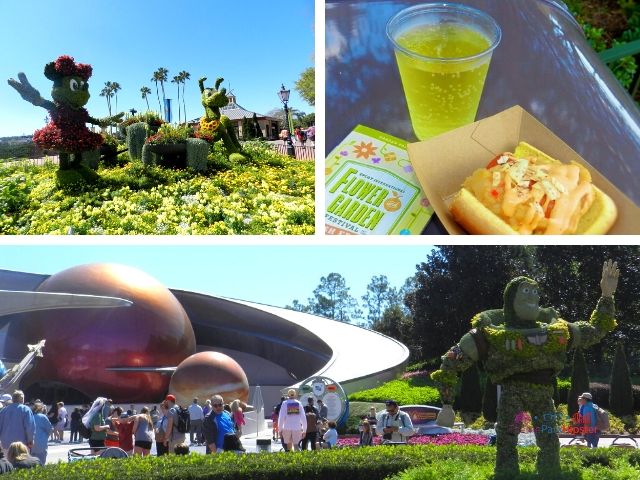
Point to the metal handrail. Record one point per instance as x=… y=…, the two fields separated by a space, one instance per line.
x=616 y=53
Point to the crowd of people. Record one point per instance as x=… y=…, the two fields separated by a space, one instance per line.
x=299 y=134
x=27 y=430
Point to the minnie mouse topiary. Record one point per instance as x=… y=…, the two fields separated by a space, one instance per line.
x=67 y=131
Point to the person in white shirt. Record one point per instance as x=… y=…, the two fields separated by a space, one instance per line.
x=393 y=424
x=292 y=421
x=196 y=416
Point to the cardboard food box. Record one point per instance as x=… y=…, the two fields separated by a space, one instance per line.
x=444 y=162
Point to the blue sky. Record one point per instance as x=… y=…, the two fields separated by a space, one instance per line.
x=273 y=275
x=255 y=45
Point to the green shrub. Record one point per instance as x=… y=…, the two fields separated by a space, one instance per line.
x=621 y=390
x=136 y=135
x=14 y=191
x=76 y=180
x=469 y=399
x=596 y=456
x=197 y=153
x=579 y=381
x=490 y=401
x=370 y=463
x=449 y=469
x=405 y=392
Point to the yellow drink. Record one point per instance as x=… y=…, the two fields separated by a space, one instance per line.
x=442 y=95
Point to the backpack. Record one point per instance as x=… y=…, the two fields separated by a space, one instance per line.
x=602 y=419
x=184 y=420
x=84 y=431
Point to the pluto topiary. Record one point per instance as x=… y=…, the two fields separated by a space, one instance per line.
x=136 y=135
x=67 y=131
x=523 y=348
x=213 y=125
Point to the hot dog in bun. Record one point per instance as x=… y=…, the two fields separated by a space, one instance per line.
x=528 y=192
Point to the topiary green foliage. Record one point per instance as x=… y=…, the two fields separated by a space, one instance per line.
x=579 y=381
x=523 y=348
x=148 y=157
x=91 y=159
x=621 y=391
x=136 y=136
x=213 y=125
x=197 y=153
x=67 y=131
x=75 y=180
x=490 y=401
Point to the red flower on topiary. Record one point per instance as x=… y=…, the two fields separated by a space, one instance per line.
x=67 y=132
x=66 y=67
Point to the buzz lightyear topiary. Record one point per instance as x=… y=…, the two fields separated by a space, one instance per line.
x=67 y=131
x=523 y=348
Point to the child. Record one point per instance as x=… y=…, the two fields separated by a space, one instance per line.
x=366 y=434
x=331 y=435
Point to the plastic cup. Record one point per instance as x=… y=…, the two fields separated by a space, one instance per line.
x=443 y=51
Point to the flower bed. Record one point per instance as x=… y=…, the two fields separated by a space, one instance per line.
x=267 y=196
x=445 y=439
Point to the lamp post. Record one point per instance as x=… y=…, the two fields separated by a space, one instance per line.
x=284 y=97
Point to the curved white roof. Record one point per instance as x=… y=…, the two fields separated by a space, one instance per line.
x=358 y=353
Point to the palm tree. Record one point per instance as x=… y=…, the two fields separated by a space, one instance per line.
x=156 y=78
x=107 y=92
x=145 y=91
x=115 y=86
x=184 y=76
x=176 y=80
x=162 y=77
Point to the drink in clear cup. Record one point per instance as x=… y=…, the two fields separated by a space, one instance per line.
x=443 y=52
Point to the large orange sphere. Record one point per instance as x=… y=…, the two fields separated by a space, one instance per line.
x=83 y=343
x=206 y=374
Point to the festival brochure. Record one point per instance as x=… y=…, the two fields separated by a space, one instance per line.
x=371 y=188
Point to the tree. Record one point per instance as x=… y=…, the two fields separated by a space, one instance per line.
x=256 y=127
x=579 y=381
x=308 y=119
x=380 y=296
x=184 y=76
x=145 y=91
x=332 y=299
x=176 y=80
x=297 y=306
x=570 y=280
x=469 y=400
x=453 y=285
x=306 y=85
x=160 y=75
x=392 y=323
x=247 y=133
x=490 y=401
x=115 y=87
x=107 y=92
x=278 y=113
x=620 y=388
